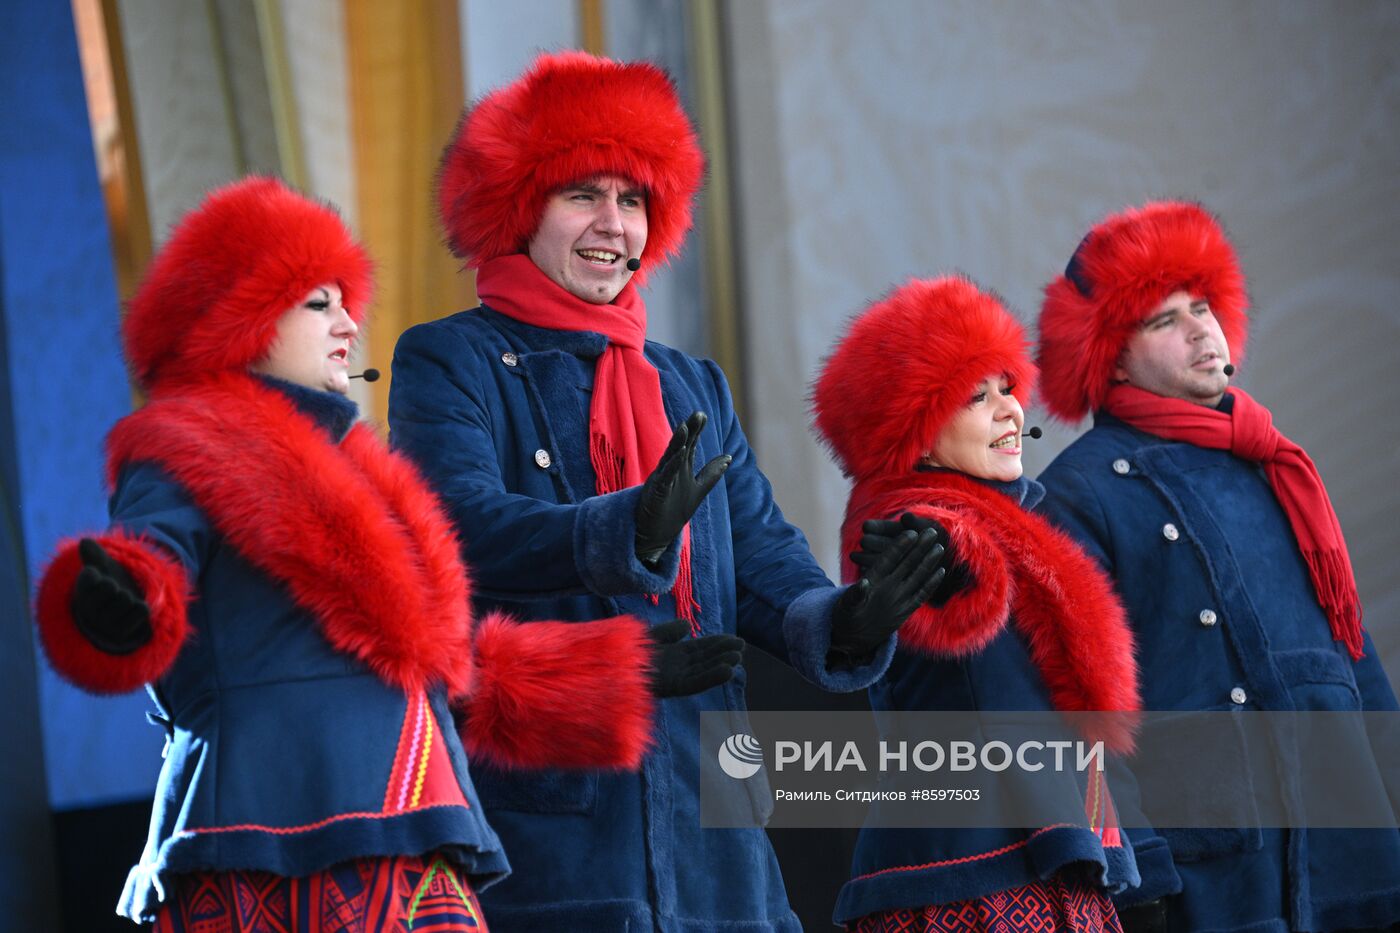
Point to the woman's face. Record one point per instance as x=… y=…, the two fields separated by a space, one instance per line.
x=984 y=437
x=312 y=347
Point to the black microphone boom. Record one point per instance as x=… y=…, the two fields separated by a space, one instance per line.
x=369 y=375
x=1033 y=433
x=633 y=264
x=1229 y=369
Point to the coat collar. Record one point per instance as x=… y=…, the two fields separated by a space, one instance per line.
x=331 y=411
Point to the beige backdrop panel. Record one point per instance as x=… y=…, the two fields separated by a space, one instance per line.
x=913 y=138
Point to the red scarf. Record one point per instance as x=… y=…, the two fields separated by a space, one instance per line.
x=627 y=426
x=1248 y=432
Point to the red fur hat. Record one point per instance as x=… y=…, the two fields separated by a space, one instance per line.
x=214 y=293
x=907 y=365
x=1123 y=269
x=571 y=117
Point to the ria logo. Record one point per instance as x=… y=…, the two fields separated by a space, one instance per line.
x=741 y=756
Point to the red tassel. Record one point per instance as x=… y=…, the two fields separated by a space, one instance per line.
x=607 y=465
x=1336 y=593
x=684 y=591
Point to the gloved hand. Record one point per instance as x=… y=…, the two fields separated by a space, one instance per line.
x=672 y=492
x=899 y=580
x=1144 y=918
x=681 y=666
x=108 y=605
x=879 y=535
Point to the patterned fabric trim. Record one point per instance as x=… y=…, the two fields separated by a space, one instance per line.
x=400 y=894
x=1054 y=906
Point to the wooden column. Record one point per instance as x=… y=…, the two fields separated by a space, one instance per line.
x=405 y=97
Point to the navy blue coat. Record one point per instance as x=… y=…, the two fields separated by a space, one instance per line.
x=1225 y=619
x=908 y=868
x=279 y=746
x=495 y=413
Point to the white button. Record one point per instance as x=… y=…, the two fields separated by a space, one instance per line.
x=1169 y=532
x=1238 y=696
x=542 y=459
x=510 y=359
x=1207 y=617
x=1121 y=466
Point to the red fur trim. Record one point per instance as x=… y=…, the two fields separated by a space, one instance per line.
x=351 y=530
x=161 y=577
x=907 y=365
x=1131 y=262
x=560 y=694
x=571 y=117
x=974 y=615
x=1060 y=600
x=231 y=268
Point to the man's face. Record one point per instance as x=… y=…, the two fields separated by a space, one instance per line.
x=1179 y=351
x=587 y=233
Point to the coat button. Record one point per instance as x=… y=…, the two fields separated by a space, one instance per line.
x=1169 y=532
x=542 y=459
x=509 y=358
x=1238 y=696
x=1121 y=466
x=1207 y=617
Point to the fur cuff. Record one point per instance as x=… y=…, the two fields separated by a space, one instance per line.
x=605 y=548
x=161 y=577
x=974 y=615
x=807 y=632
x=560 y=694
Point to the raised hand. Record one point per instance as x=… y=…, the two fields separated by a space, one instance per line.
x=898 y=581
x=879 y=535
x=673 y=491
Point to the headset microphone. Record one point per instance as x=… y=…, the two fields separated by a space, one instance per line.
x=633 y=264
x=369 y=375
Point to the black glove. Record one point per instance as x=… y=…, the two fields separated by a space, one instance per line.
x=108 y=605
x=672 y=492
x=895 y=584
x=1144 y=918
x=681 y=666
x=879 y=535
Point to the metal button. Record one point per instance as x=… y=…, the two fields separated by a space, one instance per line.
x=1169 y=532
x=1207 y=617
x=509 y=358
x=1121 y=466
x=542 y=459
x=1238 y=696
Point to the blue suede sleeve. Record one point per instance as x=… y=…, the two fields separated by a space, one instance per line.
x=784 y=597
x=517 y=546
x=148 y=502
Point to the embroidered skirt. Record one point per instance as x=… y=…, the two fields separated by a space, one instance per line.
x=399 y=894
x=1039 y=907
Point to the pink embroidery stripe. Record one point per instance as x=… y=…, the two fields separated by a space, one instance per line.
x=966 y=858
x=412 y=754
x=287 y=830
